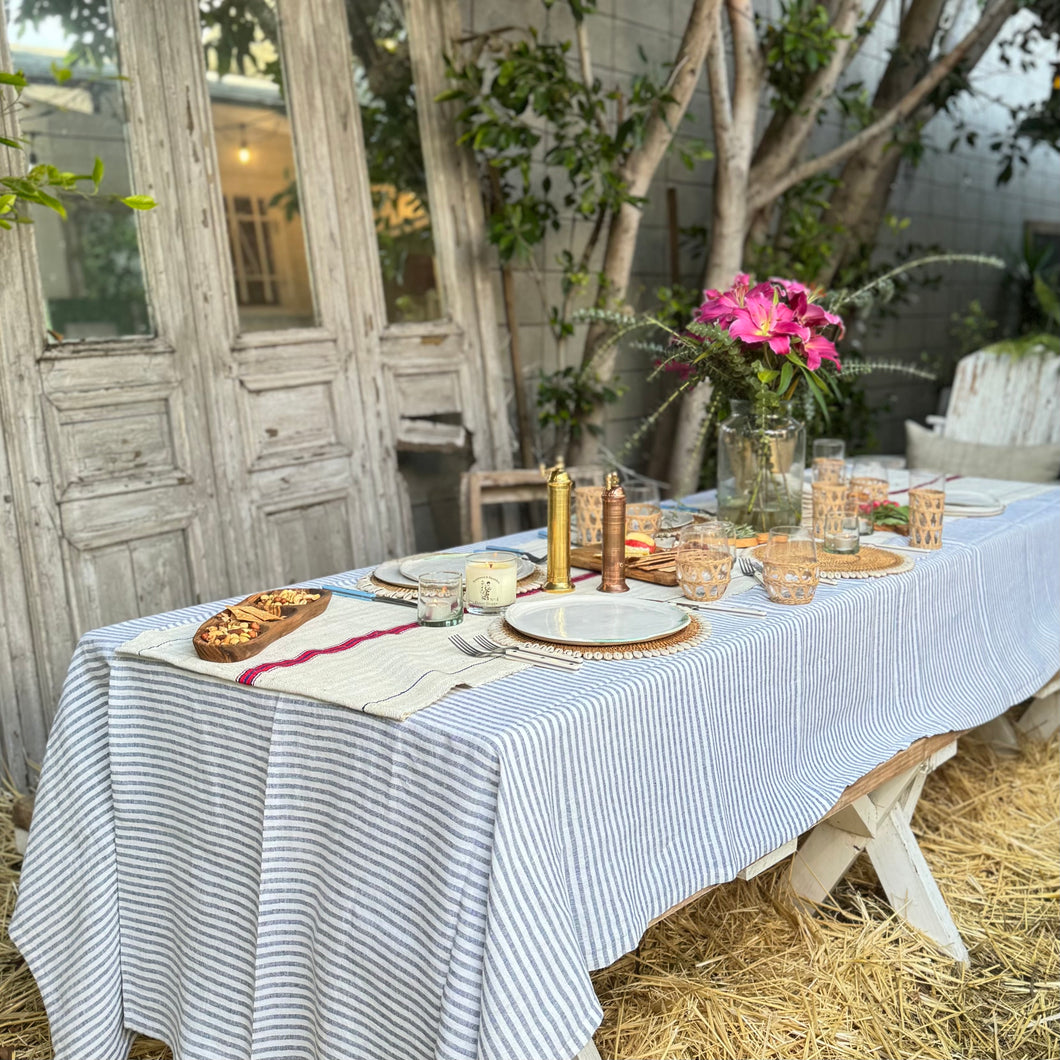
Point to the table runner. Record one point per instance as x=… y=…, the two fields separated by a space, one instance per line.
x=367 y=656
x=260 y=876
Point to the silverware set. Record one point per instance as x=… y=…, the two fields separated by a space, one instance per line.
x=484 y=648
x=752 y=568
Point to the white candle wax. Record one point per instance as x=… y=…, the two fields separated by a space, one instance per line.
x=490 y=582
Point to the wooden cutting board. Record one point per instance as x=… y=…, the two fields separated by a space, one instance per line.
x=664 y=574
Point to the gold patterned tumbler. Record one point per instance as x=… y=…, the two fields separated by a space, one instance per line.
x=927 y=501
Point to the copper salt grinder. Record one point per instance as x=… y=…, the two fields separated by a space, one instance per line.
x=613 y=567
x=559 y=490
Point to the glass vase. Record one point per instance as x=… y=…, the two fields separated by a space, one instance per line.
x=761 y=459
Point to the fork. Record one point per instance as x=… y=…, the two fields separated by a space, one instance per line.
x=497 y=651
x=752 y=568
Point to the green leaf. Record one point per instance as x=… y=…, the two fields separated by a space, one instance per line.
x=139 y=202
x=6 y=202
x=785 y=377
x=11 y=143
x=16 y=80
x=97 y=172
x=62 y=74
x=767 y=375
x=1048 y=299
x=52 y=203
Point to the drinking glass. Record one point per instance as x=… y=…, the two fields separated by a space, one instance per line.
x=829 y=460
x=789 y=566
x=643 y=518
x=704 y=559
x=870 y=485
x=589 y=513
x=841 y=536
x=927 y=501
x=829 y=504
x=642 y=492
x=441 y=599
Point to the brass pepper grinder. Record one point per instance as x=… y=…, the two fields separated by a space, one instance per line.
x=613 y=567
x=559 y=487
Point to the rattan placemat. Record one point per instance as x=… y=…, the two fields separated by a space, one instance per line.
x=369 y=583
x=868 y=562
x=696 y=632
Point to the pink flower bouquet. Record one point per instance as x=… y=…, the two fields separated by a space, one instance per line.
x=759 y=342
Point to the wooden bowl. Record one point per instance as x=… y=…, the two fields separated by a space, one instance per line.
x=272 y=627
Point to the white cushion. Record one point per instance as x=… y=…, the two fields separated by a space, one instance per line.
x=1017 y=463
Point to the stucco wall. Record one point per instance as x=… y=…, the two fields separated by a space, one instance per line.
x=951 y=200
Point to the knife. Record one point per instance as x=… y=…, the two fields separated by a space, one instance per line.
x=360 y=594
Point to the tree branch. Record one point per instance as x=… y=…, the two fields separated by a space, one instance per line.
x=642 y=163
x=993 y=16
x=718 y=81
x=585 y=62
x=777 y=153
x=870 y=21
x=747 y=64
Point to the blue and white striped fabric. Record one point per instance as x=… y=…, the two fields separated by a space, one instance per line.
x=249 y=875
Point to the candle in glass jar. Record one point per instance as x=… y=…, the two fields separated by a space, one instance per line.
x=491 y=579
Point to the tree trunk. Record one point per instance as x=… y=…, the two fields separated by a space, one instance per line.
x=639 y=170
x=734 y=125
x=860 y=199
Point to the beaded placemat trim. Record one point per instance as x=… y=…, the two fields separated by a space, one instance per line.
x=695 y=633
x=868 y=562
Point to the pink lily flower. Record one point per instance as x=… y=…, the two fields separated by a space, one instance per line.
x=811 y=315
x=790 y=287
x=760 y=320
x=720 y=306
x=818 y=348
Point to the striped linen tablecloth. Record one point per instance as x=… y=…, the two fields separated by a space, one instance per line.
x=246 y=874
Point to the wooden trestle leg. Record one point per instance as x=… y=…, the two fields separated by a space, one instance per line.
x=877 y=822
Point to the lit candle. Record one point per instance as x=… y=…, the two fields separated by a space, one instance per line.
x=490 y=582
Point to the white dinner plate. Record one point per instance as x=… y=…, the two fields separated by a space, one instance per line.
x=595 y=620
x=413 y=567
x=971 y=502
x=672 y=519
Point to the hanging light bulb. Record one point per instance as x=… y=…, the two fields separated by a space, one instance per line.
x=243 y=154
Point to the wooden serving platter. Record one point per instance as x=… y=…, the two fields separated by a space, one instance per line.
x=273 y=622
x=660 y=568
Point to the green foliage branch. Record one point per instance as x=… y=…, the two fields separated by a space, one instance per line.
x=705 y=352
x=44 y=184
x=511 y=86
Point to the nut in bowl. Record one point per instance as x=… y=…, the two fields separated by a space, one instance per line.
x=242 y=630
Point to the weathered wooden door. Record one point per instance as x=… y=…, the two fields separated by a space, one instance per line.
x=302 y=318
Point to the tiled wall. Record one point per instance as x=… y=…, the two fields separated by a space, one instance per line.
x=951 y=200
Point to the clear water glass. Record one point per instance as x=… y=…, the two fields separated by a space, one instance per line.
x=441 y=599
x=842 y=536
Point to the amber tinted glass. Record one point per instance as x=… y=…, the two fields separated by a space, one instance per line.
x=71 y=113
x=255 y=154
x=387 y=97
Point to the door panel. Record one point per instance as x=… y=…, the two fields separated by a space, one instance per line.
x=252 y=439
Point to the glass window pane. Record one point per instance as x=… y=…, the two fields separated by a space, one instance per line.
x=387 y=97
x=257 y=166
x=70 y=113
